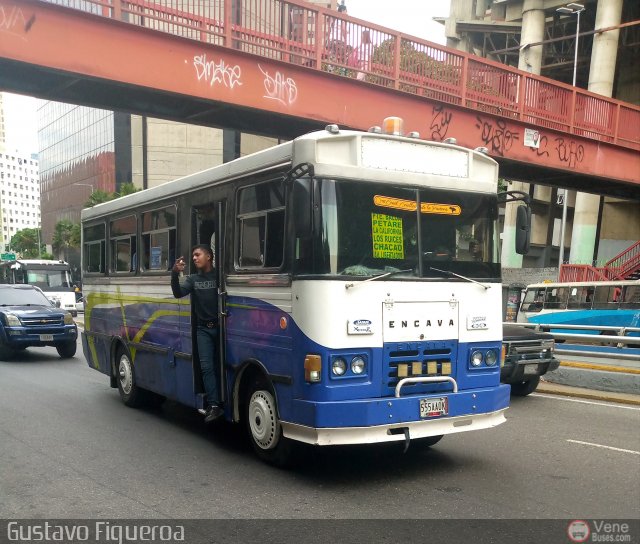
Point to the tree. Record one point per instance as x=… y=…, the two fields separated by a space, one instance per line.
x=98 y=197
x=126 y=189
x=66 y=235
x=25 y=242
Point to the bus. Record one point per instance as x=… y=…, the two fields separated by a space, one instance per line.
x=359 y=299
x=53 y=277
x=596 y=304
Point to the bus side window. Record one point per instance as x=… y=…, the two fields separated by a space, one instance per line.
x=574 y=298
x=533 y=300
x=631 y=297
x=606 y=297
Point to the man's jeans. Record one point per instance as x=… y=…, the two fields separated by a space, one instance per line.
x=208 y=355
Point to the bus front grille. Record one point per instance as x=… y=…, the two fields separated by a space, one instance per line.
x=416 y=359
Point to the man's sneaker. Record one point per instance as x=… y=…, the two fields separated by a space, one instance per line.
x=213 y=412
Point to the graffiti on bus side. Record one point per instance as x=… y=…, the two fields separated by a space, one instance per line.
x=279 y=87
x=219 y=71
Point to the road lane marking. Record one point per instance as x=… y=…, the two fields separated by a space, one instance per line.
x=603 y=446
x=611 y=404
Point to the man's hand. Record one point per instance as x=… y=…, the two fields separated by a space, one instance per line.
x=179 y=265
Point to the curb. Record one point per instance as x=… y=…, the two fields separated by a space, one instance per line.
x=591 y=394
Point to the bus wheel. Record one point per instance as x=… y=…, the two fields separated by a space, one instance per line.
x=130 y=393
x=522 y=389
x=263 y=426
x=67 y=349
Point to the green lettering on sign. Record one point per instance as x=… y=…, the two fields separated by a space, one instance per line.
x=386 y=231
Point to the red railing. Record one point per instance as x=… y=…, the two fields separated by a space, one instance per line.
x=617 y=268
x=626 y=262
x=300 y=33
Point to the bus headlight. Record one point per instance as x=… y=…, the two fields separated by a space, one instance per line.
x=357 y=365
x=476 y=358
x=491 y=357
x=339 y=366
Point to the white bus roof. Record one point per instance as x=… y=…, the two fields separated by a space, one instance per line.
x=338 y=155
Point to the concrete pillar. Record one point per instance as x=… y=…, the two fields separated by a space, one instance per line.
x=601 y=76
x=459 y=10
x=531 y=61
x=605 y=48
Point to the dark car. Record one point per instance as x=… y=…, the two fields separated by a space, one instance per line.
x=527 y=354
x=28 y=318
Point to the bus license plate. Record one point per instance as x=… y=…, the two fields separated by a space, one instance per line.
x=434 y=407
x=46 y=338
x=530 y=370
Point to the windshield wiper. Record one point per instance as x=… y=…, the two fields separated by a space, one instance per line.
x=379 y=276
x=449 y=273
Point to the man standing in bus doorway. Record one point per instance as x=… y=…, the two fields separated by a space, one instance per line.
x=203 y=288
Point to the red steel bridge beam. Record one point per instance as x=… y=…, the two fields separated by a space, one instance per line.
x=66 y=54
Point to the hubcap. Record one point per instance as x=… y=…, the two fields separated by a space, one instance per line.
x=125 y=374
x=263 y=422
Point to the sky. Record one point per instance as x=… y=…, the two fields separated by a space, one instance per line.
x=412 y=17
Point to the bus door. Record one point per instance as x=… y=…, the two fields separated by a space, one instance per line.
x=207 y=227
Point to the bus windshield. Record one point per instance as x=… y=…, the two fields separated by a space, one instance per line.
x=368 y=229
x=49 y=279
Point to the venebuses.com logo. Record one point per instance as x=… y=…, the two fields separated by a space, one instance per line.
x=580 y=530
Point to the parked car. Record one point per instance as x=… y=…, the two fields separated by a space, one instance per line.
x=80 y=304
x=28 y=318
x=527 y=354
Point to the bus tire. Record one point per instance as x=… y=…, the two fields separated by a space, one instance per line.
x=67 y=350
x=130 y=393
x=522 y=389
x=263 y=426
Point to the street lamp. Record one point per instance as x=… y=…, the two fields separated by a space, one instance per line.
x=569 y=9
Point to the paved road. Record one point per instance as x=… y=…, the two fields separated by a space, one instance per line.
x=69 y=448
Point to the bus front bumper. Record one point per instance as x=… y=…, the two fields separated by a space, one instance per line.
x=392 y=432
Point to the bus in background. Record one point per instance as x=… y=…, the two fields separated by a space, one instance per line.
x=598 y=304
x=359 y=301
x=53 y=277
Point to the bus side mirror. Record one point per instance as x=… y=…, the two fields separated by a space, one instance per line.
x=301 y=200
x=523 y=229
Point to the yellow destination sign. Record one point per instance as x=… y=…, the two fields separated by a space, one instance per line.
x=410 y=205
x=386 y=233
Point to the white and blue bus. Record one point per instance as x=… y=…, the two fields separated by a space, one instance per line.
x=53 y=277
x=595 y=304
x=360 y=297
